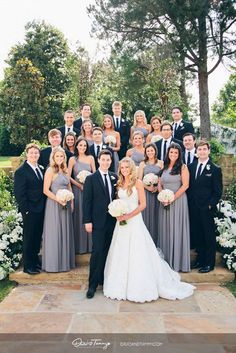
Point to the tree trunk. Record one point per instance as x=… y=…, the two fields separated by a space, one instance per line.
x=205 y=126
x=182 y=87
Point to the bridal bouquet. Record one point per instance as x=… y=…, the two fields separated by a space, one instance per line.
x=82 y=176
x=150 y=179
x=118 y=208
x=110 y=140
x=166 y=195
x=63 y=196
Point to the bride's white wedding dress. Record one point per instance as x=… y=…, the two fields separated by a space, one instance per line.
x=134 y=269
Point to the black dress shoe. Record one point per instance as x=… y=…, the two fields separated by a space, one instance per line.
x=38 y=267
x=32 y=271
x=206 y=269
x=196 y=265
x=90 y=293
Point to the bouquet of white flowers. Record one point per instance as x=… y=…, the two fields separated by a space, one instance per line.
x=150 y=179
x=110 y=140
x=118 y=208
x=155 y=138
x=63 y=196
x=82 y=176
x=166 y=195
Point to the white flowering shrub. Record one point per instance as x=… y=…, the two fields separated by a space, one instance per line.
x=226 y=227
x=10 y=241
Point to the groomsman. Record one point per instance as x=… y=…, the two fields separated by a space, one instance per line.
x=54 y=137
x=180 y=127
x=98 y=146
x=99 y=191
x=163 y=144
x=122 y=126
x=85 y=112
x=204 y=193
x=69 y=119
x=189 y=154
x=28 y=189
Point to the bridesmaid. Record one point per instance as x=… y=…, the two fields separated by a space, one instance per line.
x=87 y=131
x=69 y=142
x=140 y=124
x=137 y=152
x=58 y=252
x=173 y=223
x=81 y=161
x=155 y=130
x=150 y=165
x=109 y=129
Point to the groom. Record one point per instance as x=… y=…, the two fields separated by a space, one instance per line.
x=99 y=191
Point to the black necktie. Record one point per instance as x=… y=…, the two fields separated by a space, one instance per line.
x=189 y=158
x=38 y=174
x=164 y=150
x=199 y=170
x=68 y=129
x=117 y=123
x=175 y=129
x=98 y=150
x=107 y=189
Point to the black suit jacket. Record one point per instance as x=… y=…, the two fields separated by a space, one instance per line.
x=159 y=146
x=63 y=130
x=45 y=156
x=207 y=188
x=194 y=158
x=95 y=205
x=28 y=189
x=78 y=123
x=104 y=147
x=124 y=130
x=183 y=128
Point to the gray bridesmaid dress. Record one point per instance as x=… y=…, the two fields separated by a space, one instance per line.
x=150 y=213
x=58 y=251
x=173 y=226
x=83 y=240
x=143 y=130
x=137 y=157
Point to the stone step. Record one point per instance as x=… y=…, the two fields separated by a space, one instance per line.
x=83 y=260
x=80 y=276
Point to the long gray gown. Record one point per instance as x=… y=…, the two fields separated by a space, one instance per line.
x=83 y=240
x=137 y=157
x=173 y=226
x=58 y=251
x=150 y=213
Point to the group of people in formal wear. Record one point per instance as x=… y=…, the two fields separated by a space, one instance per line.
x=138 y=261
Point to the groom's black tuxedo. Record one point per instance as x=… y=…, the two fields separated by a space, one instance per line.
x=95 y=211
x=28 y=189
x=203 y=195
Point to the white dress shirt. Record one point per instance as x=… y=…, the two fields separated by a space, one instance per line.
x=203 y=166
x=69 y=127
x=192 y=153
x=108 y=181
x=34 y=167
x=119 y=121
x=167 y=145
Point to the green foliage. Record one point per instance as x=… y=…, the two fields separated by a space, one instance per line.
x=230 y=194
x=6 y=147
x=6 y=191
x=217 y=149
x=5 y=287
x=224 y=109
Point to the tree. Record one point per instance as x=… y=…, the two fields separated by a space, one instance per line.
x=47 y=49
x=197 y=30
x=24 y=103
x=224 y=109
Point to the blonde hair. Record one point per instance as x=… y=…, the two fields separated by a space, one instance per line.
x=108 y=116
x=82 y=127
x=135 y=117
x=54 y=132
x=133 y=175
x=55 y=167
x=137 y=133
x=116 y=104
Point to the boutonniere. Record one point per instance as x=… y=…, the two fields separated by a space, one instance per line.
x=123 y=120
x=104 y=146
x=41 y=166
x=208 y=167
x=195 y=155
x=181 y=124
x=112 y=177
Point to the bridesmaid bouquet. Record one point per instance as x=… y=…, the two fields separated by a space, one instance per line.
x=155 y=138
x=63 y=196
x=150 y=179
x=118 y=208
x=82 y=176
x=166 y=195
x=110 y=140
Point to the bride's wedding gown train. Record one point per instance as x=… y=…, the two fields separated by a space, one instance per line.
x=134 y=269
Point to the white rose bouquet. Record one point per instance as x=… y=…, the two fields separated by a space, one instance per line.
x=63 y=196
x=110 y=140
x=118 y=208
x=82 y=176
x=150 y=179
x=166 y=195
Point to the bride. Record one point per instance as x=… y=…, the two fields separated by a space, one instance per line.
x=134 y=269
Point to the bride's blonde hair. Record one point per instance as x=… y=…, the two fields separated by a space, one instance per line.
x=133 y=175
